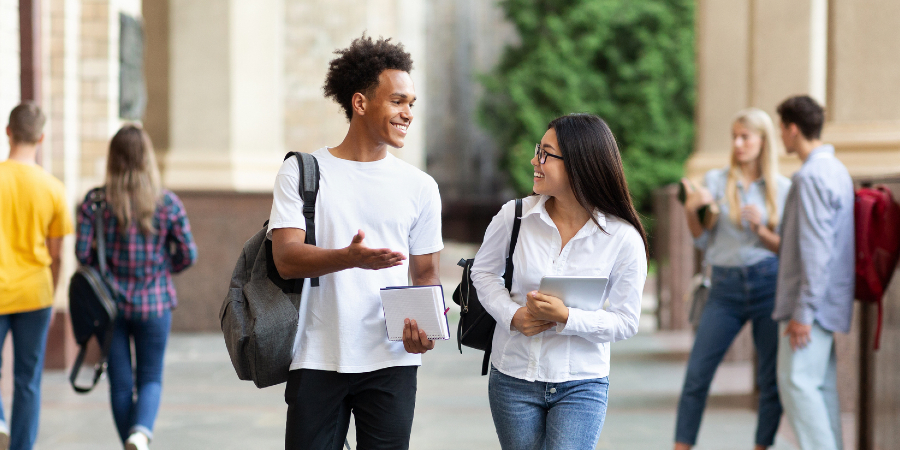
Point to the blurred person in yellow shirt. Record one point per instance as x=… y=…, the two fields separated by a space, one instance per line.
x=33 y=220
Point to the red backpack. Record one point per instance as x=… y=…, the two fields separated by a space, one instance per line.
x=877 y=218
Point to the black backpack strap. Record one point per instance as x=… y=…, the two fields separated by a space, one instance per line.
x=513 y=239
x=507 y=276
x=101 y=365
x=98 y=205
x=309 y=191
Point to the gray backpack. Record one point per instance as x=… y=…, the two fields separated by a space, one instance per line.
x=259 y=314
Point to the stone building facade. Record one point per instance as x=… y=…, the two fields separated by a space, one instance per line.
x=234 y=84
x=231 y=87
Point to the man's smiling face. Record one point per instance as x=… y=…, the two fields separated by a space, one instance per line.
x=389 y=113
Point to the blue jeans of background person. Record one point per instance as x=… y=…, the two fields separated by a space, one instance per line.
x=536 y=415
x=29 y=335
x=135 y=391
x=737 y=295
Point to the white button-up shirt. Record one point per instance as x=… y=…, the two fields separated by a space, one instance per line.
x=578 y=349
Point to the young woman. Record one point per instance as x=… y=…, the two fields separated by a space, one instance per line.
x=548 y=382
x=740 y=244
x=148 y=238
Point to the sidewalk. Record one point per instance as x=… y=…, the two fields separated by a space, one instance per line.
x=205 y=406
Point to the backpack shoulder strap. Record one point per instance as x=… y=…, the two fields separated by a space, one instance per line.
x=99 y=206
x=507 y=276
x=309 y=190
x=101 y=365
x=513 y=239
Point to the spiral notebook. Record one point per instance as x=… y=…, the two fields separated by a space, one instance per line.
x=424 y=304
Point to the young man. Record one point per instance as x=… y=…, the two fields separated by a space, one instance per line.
x=814 y=297
x=33 y=220
x=372 y=211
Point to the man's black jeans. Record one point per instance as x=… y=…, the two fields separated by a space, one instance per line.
x=320 y=403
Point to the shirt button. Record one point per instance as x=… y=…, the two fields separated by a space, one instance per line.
x=552 y=390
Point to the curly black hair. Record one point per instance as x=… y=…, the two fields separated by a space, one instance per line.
x=358 y=67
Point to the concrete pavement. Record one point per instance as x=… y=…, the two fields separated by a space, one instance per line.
x=205 y=406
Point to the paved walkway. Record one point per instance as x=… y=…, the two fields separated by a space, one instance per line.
x=205 y=406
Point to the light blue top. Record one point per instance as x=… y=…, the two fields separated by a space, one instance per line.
x=726 y=244
x=816 y=275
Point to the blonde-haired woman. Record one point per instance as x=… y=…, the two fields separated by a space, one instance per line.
x=739 y=235
x=148 y=238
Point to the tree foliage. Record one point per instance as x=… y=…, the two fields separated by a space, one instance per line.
x=630 y=62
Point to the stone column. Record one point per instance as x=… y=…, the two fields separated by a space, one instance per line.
x=753 y=53
x=99 y=87
x=311 y=121
x=864 y=86
x=62 y=151
x=225 y=94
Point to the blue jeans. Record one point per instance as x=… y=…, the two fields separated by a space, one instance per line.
x=29 y=333
x=135 y=392
x=536 y=415
x=737 y=295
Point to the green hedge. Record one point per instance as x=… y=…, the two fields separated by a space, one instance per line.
x=629 y=61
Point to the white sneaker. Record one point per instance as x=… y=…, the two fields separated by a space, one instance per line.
x=137 y=441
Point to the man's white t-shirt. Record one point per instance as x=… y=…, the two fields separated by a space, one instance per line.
x=341 y=326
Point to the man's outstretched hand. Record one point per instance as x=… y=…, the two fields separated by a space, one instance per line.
x=370 y=258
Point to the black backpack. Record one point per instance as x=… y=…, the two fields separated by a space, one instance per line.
x=476 y=326
x=92 y=303
x=259 y=314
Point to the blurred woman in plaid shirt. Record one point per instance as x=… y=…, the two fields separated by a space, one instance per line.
x=148 y=238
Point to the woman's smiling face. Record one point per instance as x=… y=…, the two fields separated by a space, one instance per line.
x=550 y=178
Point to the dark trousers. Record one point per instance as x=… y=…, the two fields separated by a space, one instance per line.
x=320 y=403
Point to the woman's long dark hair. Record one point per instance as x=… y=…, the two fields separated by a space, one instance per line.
x=594 y=166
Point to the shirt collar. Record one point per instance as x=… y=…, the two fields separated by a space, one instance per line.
x=540 y=208
x=822 y=151
x=759 y=181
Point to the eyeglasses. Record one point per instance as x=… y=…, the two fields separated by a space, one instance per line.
x=542 y=154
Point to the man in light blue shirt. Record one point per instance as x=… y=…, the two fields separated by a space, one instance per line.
x=816 y=277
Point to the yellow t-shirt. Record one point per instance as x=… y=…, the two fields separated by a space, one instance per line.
x=32 y=209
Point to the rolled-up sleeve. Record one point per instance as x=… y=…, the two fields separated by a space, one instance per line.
x=490 y=263
x=626 y=287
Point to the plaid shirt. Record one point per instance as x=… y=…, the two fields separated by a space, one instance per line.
x=141 y=266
